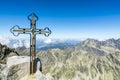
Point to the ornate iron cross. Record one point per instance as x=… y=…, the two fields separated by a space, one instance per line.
x=32 y=31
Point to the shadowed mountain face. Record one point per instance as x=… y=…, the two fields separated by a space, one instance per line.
x=88 y=60
x=6 y=51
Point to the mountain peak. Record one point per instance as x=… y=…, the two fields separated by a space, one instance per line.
x=91 y=42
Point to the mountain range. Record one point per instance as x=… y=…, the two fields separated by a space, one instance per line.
x=90 y=59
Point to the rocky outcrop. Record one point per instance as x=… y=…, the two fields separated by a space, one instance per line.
x=6 y=51
x=17 y=68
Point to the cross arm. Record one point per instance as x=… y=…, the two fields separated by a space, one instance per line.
x=16 y=30
x=22 y=30
x=45 y=31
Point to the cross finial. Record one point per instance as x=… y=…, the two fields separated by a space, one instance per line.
x=31 y=16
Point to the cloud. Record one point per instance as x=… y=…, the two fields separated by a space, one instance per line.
x=14 y=43
x=4 y=40
x=27 y=43
x=20 y=43
x=48 y=41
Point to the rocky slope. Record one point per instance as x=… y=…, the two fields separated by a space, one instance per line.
x=77 y=66
x=89 y=60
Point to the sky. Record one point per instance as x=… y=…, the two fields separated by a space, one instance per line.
x=67 y=19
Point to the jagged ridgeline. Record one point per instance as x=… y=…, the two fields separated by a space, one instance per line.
x=88 y=60
x=5 y=52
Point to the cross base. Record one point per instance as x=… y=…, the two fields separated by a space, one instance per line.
x=34 y=67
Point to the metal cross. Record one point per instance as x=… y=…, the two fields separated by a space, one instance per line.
x=32 y=31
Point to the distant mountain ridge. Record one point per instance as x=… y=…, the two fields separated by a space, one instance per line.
x=99 y=47
x=115 y=43
x=92 y=46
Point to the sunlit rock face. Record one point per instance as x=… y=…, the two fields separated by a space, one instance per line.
x=37 y=76
x=17 y=68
